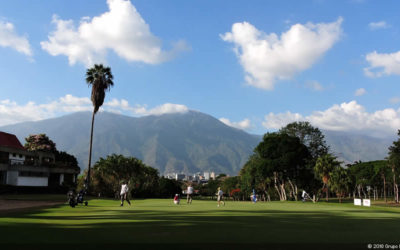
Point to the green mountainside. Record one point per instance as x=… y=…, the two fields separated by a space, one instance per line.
x=188 y=143
x=185 y=143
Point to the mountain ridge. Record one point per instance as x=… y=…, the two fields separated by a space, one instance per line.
x=187 y=142
x=181 y=142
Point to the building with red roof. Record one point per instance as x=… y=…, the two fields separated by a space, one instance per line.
x=20 y=167
x=10 y=140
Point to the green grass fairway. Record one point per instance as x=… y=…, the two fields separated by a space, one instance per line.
x=159 y=223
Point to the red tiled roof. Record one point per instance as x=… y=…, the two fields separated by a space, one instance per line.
x=10 y=140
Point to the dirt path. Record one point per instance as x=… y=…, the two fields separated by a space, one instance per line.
x=9 y=205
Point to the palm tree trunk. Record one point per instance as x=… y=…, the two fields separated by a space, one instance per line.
x=90 y=152
x=395 y=194
x=327 y=193
x=384 y=188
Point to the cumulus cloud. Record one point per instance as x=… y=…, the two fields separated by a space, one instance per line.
x=244 y=124
x=349 y=116
x=267 y=58
x=10 y=38
x=166 y=108
x=382 y=64
x=11 y=112
x=121 y=30
x=378 y=25
x=360 y=92
x=276 y=121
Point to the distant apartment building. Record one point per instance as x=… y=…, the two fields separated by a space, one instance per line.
x=180 y=177
x=19 y=167
x=206 y=176
x=195 y=178
x=170 y=176
x=212 y=175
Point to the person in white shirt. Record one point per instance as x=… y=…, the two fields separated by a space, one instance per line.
x=124 y=193
x=189 y=193
x=220 y=194
x=304 y=196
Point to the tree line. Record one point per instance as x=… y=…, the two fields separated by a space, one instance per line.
x=143 y=181
x=282 y=165
x=297 y=158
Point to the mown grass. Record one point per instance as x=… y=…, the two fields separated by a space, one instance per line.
x=158 y=223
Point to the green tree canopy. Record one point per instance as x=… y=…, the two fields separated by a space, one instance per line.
x=310 y=136
x=394 y=162
x=108 y=174
x=279 y=158
x=40 y=142
x=340 y=182
x=324 y=168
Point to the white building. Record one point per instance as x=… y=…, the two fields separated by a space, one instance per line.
x=179 y=177
x=19 y=167
x=212 y=175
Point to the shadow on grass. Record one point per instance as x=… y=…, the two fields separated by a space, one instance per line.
x=196 y=227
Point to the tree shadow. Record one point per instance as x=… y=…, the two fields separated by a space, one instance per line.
x=254 y=227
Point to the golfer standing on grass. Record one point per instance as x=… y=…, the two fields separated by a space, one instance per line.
x=189 y=192
x=124 y=193
x=220 y=194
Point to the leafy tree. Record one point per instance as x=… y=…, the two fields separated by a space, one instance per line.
x=40 y=142
x=382 y=169
x=310 y=136
x=229 y=184
x=278 y=159
x=340 y=182
x=101 y=79
x=169 y=187
x=369 y=175
x=210 y=189
x=110 y=172
x=394 y=163
x=66 y=159
x=146 y=183
x=324 y=168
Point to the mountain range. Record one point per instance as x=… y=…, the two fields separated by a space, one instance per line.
x=188 y=142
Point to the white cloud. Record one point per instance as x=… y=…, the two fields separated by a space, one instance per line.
x=360 y=92
x=276 y=121
x=166 y=108
x=267 y=58
x=382 y=64
x=314 y=85
x=244 y=124
x=9 y=38
x=121 y=30
x=344 y=117
x=12 y=112
x=378 y=25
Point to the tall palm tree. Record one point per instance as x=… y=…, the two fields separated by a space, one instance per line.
x=101 y=79
x=324 y=168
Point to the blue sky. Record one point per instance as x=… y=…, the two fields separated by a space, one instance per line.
x=255 y=65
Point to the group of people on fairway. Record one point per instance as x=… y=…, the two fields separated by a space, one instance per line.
x=189 y=193
x=189 y=197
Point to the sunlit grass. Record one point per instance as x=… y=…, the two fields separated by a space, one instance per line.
x=160 y=221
